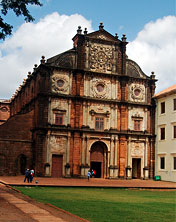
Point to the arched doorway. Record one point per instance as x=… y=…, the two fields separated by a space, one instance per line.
x=21 y=164
x=98 y=159
x=3 y=162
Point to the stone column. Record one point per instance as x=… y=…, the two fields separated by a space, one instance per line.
x=145 y=119
x=84 y=113
x=128 y=169
x=87 y=156
x=115 y=157
x=47 y=165
x=67 y=166
x=85 y=85
x=111 y=124
x=111 y=168
x=83 y=156
x=146 y=168
x=115 y=117
x=87 y=114
x=69 y=111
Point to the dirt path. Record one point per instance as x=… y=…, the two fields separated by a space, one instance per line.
x=15 y=207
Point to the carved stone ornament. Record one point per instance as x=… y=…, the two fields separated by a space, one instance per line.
x=101 y=58
x=60 y=83
x=137 y=92
x=102 y=37
x=99 y=88
x=57 y=144
x=137 y=149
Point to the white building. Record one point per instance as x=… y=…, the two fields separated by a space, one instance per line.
x=165 y=127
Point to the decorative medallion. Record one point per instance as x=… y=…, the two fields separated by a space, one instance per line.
x=137 y=92
x=99 y=88
x=60 y=83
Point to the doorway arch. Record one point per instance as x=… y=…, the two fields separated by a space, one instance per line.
x=21 y=164
x=98 y=159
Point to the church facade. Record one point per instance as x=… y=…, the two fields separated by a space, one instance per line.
x=87 y=108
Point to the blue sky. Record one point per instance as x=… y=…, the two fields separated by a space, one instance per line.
x=148 y=24
x=118 y=16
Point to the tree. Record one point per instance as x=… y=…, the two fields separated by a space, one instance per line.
x=19 y=7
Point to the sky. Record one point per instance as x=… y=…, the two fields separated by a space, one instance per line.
x=150 y=27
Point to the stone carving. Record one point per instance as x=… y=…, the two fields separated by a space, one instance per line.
x=137 y=92
x=57 y=144
x=101 y=58
x=100 y=88
x=137 y=149
x=102 y=37
x=60 y=83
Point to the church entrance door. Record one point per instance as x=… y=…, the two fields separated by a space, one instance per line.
x=136 y=168
x=98 y=159
x=57 y=161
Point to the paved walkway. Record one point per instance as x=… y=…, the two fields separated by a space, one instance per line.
x=93 y=182
x=16 y=207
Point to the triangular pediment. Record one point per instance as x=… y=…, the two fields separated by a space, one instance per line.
x=103 y=35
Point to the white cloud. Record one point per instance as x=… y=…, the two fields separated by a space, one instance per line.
x=154 y=49
x=50 y=36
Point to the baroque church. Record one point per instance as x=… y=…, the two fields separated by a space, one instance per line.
x=87 y=108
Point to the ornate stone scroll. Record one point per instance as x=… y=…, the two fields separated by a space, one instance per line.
x=101 y=58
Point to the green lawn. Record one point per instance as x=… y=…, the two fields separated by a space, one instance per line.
x=104 y=204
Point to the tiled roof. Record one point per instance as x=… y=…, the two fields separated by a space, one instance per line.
x=169 y=90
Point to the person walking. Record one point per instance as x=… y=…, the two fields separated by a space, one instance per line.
x=88 y=175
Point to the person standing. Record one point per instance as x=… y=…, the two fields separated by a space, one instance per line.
x=26 y=175
x=31 y=175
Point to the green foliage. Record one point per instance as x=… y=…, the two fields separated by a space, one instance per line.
x=104 y=205
x=19 y=7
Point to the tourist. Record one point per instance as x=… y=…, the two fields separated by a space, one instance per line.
x=26 y=175
x=88 y=175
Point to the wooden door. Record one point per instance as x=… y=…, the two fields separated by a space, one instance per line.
x=57 y=161
x=138 y=168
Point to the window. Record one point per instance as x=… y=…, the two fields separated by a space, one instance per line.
x=162 y=107
x=174 y=104
x=162 y=133
x=58 y=118
x=137 y=125
x=174 y=128
x=174 y=158
x=162 y=163
x=99 y=123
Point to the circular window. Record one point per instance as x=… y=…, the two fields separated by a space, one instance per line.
x=137 y=92
x=100 y=87
x=4 y=109
x=60 y=83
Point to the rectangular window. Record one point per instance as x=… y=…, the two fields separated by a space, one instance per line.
x=58 y=119
x=174 y=128
x=162 y=107
x=137 y=125
x=174 y=163
x=99 y=123
x=162 y=163
x=174 y=104
x=162 y=133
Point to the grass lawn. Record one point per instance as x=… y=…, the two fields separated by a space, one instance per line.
x=105 y=204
